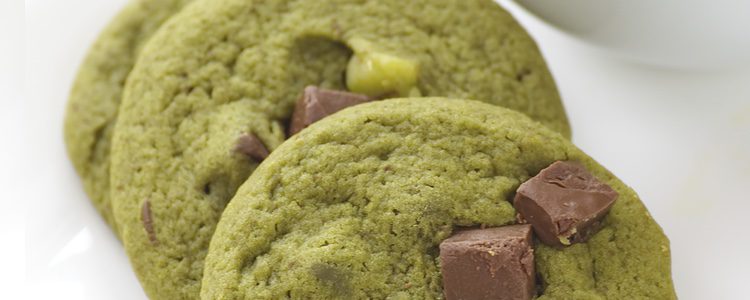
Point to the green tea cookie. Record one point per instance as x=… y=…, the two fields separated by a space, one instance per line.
x=356 y=205
x=96 y=92
x=220 y=70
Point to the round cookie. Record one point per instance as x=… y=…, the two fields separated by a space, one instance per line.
x=220 y=70
x=355 y=206
x=96 y=93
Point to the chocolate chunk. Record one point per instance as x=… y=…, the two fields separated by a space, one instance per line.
x=564 y=203
x=316 y=103
x=252 y=146
x=492 y=263
x=148 y=222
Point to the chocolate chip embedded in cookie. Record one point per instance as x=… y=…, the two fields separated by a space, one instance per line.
x=148 y=222
x=564 y=203
x=493 y=263
x=316 y=103
x=251 y=146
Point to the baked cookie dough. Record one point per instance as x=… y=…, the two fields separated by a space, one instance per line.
x=356 y=205
x=223 y=69
x=96 y=93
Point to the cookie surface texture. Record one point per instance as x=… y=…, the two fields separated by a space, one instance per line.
x=221 y=69
x=355 y=206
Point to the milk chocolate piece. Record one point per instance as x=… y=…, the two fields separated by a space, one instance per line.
x=251 y=146
x=493 y=263
x=564 y=203
x=148 y=222
x=316 y=103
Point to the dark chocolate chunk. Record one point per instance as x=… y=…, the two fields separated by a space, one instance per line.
x=148 y=222
x=252 y=146
x=493 y=263
x=564 y=203
x=316 y=103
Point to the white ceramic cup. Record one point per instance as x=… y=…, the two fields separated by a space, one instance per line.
x=691 y=34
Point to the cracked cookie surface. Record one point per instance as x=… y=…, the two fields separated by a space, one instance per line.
x=221 y=69
x=97 y=90
x=355 y=206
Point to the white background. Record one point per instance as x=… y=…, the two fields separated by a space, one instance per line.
x=680 y=138
x=12 y=239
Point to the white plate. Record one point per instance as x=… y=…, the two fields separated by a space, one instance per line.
x=71 y=253
x=680 y=139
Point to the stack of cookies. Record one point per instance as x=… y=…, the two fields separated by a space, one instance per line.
x=320 y=149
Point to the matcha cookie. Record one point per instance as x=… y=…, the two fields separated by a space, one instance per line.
x=221 y=70
x=356 y=205
x=96 y=93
